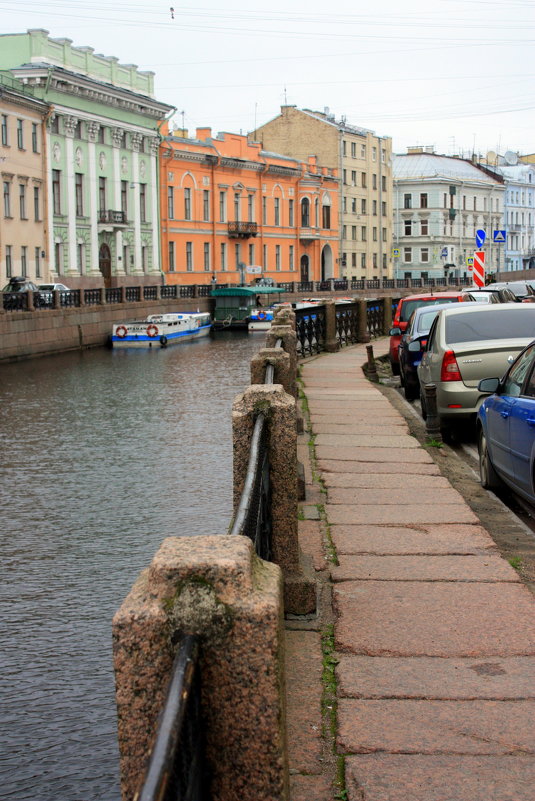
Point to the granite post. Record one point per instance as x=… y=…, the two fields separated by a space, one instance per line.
x=280 y=410
x=214 y=587
x=363 y=335
x=282 y=368
x=331 y=340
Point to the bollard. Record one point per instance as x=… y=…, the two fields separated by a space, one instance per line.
x=432 y=420
x=363 y=335
x=372 y=367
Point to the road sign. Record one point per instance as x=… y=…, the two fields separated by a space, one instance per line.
x=478 y=273
x=470 y=262
x=395 y=252
x=480 y=237
x=499 y=236
x=444 y=254
x=253 y=269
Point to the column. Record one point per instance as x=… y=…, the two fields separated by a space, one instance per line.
x=92 y=131
x=120 y=268
x=137 y=215
x=70 y=125
x=154 y=145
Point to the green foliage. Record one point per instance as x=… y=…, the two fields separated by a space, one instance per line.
x=516 y=562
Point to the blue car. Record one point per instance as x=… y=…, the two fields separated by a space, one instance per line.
x=506 y=428
x=412 y=345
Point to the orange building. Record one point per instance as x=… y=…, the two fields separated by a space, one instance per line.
x=226 y=202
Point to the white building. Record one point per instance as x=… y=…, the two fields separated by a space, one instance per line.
x=439 y=204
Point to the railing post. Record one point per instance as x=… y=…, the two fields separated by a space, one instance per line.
x=30 y=300
x=288 y=339
x=56 y=301
x=280 y=409
x=372 y=367
x=331 y=339
x=123 y=293
x=282 y=368
x=363 y=335
x=387 y=314
x=102 y=295
x=214 y=587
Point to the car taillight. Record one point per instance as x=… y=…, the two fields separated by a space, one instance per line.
x=450 y=369
x=423 y=342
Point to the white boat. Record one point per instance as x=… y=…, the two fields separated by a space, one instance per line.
x=160 y=330
x=260 y=320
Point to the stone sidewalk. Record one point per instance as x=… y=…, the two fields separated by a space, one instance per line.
x=434 y=632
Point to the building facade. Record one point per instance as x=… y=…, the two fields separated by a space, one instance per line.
x=364 y=164
x=23 y=217
x=439 y=204
x=227 y=205
x=102 y=140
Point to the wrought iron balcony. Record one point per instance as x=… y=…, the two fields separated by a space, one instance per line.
x=242 y=230
x=109 y=217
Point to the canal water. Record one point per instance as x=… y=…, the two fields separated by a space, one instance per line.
x=104 y=453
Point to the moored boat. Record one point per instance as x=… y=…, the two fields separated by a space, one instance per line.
x=260 y=320
x=160 y=330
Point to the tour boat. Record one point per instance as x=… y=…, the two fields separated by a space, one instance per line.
x=160 y=330
x=260 y=320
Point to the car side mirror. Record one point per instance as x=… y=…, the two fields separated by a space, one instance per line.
x=415 y=346
x=395 y=332
x=489 y=385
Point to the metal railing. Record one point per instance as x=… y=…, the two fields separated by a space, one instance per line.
x=347 y=319
x=176 y=771
x=310 y=330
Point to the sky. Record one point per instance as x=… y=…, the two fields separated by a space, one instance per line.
x=454 y=74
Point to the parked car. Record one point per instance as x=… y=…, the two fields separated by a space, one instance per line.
x=482 y=296
x=405 y=308
x=19 y=283
x=16 y=285
x=47 y=290
x=466 y=344
x=412 y=345
x=520 y=289
x=506 y=428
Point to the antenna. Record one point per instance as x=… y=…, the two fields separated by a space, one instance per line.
x=182 y=114
x=255 y=108
x=285 y=97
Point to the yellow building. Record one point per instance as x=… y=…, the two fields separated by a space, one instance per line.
x=363 y=161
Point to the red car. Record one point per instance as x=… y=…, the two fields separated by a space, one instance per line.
x=405 y=308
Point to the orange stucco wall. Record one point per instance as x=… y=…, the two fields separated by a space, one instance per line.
x=208 y=185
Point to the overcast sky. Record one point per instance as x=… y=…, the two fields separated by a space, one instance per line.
x=456 y=74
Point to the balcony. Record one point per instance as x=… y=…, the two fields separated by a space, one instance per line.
x=242 y=230
x=117 y=219
x=308 y=234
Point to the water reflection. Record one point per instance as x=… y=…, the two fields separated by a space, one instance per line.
x=104 y=453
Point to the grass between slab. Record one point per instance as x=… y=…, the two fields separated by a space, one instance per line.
x=329 y=707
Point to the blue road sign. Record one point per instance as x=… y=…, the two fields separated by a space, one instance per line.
x=444 y=254
x=499 y=236
x=480 y=238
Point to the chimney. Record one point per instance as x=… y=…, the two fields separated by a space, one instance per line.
x=204 y=133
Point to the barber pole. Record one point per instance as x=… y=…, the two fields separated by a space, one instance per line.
x=478 y=272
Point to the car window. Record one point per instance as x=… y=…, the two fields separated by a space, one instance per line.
x=517 y=373
x=431 y=341
x=411 y=305
x=513 y=323
x=425 y=321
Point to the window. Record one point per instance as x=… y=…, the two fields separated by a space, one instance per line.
x=237 y=215
x=124 y=198
x=58 y=257
x=423 y=200
x=250 y=208
x=223 y=256
x=374 y=260
x=383 y=155
x=353 y=150
x=24 y=260
x=22 y=201
x=79 y=193
x=55 y=124
x=353 y=177
x=35 y=141
x=374 y=208
x=222 y=206
x=206 y=257
x=384 y=234
x=305 y=213
x=407 y=226
x=171 y=257
x=101 y=135
x=363 y=233
x=344 y=231
x=424 y=255
x=374 y=181
x=475 y=203
x=102 y=193
x=56 y=191
x=407 y=201
x=125 y=257
x=7 y=199
x=383 y=208
x=353 y=259
x=189 y=256
x=171 y=203
x=407 y=255
x=354 y=205
x=3 y=126
x=265 y=257
x=375 y=234
x=291 y=263
x=344 y=147
x=354 y=233
x=187 y=204
x=363 y=180
x=383 y=183
x=264 y=211
x=20 y=135
x=78 y=130
x=277 y=211
x=326 y=216
x=374 y=154
x=363 y=261
x=206 y=205
x=344 y=204
x=237 y=255
x=363 y=151
x=251 y=254
x=277 y=257
x=291 y=213
x=363 y=205
x=424 y=228
x=37 y=253
x=9 y=262
x=144 y=258
x=345 y=176
x=143 y=202
x=80 y=257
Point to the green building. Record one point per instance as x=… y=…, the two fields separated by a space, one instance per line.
x=102 y=141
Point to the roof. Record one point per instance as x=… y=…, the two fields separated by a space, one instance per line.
x=245 y=291
x=419 y=166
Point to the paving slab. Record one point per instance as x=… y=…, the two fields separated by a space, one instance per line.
x=393 y=777
x=419 y=618
x=303 y=663
x=333 y=465
x=311 y=542
x=385 y=481
x=436 y=727
x=397 y=456
x=410 y=514
x=431 y=539
x=367 y=441
x=310 y=788
x=496 y=678
x=354 y=427
x=366 y=567
x=368 y=496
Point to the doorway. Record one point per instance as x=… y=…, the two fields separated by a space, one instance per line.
x=104 y=264
x=304 y=269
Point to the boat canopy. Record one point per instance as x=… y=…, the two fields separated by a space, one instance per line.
x=245 y=291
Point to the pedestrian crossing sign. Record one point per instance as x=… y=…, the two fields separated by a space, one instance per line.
x=499 y=236
x=470 y=262
x=395 y=252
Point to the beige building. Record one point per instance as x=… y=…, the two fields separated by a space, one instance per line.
x=23 y=214
x=364 y=164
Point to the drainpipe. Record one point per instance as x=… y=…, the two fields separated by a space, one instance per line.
x=158 y=191
x=380 y=210
x=341 y=203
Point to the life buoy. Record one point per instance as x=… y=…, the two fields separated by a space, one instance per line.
x=121 y=331
x=152 y=330
x=261 y=316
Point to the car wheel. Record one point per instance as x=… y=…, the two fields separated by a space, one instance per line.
x=411 y=391
x=422 y=404
x=395 y=367
x=487 y=474
x=401 y=375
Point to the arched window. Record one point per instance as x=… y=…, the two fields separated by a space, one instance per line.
x=305 y=213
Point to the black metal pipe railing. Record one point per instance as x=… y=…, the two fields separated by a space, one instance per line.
x=176 y=770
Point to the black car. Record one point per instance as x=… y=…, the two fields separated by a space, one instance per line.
x=13 y=289
x=520 y=289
